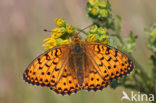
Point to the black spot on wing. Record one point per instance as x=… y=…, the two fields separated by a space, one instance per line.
x=39 y=60
x=47 y=56
x=116 y=53
x=107 y=52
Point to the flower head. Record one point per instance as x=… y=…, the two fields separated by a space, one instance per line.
x=60 y=22
x=95 y=11
x=65 y=41
x=102 y=4
x=102 y=31
x=103 y=13
x=92 y=2
x=93 y=29
x=104 y=40
x=91 y=37
x=57 y=32
x=59 y=40
x=70 y=29
x=49 y=43
x=153 y=34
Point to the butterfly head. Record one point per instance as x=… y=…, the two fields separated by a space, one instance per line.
x=76 y=39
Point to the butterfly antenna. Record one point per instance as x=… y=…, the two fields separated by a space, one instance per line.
x=45 y=30
x=82 y=30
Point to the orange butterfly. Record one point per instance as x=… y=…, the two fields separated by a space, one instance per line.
x=79 y=65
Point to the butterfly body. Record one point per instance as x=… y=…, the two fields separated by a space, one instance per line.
x=79 y=65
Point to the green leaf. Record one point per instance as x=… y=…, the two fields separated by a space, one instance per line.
x=114 y=84
x=119 y=23
x=130 y=41
x=153 y=58
x=131 y=38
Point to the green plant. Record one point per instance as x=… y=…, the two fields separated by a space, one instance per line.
x=104 y=20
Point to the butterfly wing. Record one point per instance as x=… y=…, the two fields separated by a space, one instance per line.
x=109 y=62
x=68 y=82
x=92 y=80
x=53 y=69
x=47 y=68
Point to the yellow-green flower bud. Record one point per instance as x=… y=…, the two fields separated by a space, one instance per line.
x=103 y=13
x=65 y=42
x=60 y=22
x=56 y=33
x=102 y=4
x=63 y=29
x=95 y=11
x=104 y=40
x=59 y=41
x=92 y=38
x=102 y=31
x=70 y=29
x=93 y=29
x=49 y=43
x=153 y=34
x=92 y=2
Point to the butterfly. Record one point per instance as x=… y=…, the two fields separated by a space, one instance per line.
x=79 y=65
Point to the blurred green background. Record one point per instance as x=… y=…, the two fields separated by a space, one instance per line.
x=21 y=35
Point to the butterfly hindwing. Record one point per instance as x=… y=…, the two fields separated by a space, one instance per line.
x=92 y=79
x=68 y=82
x=46 y=69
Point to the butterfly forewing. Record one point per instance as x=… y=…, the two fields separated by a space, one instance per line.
x=46 y=69
x=109 y=62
